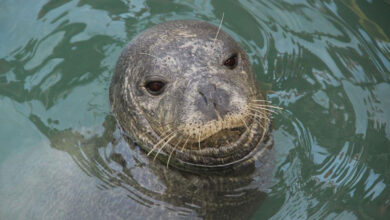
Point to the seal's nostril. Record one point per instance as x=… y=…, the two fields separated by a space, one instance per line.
x=215 y=102
x=203 y=96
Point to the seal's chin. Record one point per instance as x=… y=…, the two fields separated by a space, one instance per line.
x=225 y=148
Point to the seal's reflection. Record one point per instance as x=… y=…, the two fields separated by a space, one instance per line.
x=108 y=157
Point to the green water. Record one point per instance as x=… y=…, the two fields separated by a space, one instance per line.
x=326 y=63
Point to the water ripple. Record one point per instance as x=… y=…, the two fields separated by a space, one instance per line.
x=326 y=63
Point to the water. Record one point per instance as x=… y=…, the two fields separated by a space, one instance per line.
x=327 y=64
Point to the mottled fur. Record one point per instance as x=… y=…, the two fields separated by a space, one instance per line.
x=204 y=117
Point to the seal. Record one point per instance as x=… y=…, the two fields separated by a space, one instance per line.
x=185 y=92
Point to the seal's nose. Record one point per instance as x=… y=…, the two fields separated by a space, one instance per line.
x=212 y=101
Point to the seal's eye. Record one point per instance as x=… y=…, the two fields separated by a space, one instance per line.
x=231 y=62
x=155 y=87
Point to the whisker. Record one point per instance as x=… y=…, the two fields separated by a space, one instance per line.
x=266 y=105
x=162 y=126
x=261 y=108
x=150 y=55
x=162 y=147
x=247 y=128
x=169 y=158
x=227 y=140
x=168 y=123
x=185 y=143
x=181 y=138
x=168 y=130
x=254 y=115
x=260 y=100
x=219 y=27
x=262 y=125
x=262 y=136
x=258 y=118
x=263 y=114
x=199 y=140
x=158 y=143
x=174 y=149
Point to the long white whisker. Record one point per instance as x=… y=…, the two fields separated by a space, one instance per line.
x=174 y=149
x=258 y=118
x=169 y=158
x=164 y=133
x=199 y=140
x=263 y=114
x=158 y=143
x=219 y=27
x=260 y=100
x=159 y=150
x=267 y=106
x=259 y=121
x=261 y=108
x=150 y=55
x=262 y=136
x=247 y=128
x=185 y=143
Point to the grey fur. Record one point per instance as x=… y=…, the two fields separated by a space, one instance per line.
x=203 y=100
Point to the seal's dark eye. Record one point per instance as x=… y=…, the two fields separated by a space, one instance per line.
x=231 y=62
x=155 y=87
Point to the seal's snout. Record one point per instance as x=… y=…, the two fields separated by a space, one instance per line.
x=213 y=102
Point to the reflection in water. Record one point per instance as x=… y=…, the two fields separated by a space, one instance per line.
x=327 y=63
x=151 y=185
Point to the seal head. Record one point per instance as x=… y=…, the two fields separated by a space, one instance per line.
x=185 y=92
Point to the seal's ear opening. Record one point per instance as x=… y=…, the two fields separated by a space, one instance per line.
x=231 y=62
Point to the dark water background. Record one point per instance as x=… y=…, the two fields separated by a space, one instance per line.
x=327 y=63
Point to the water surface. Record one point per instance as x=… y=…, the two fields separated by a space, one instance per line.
x=326 y=63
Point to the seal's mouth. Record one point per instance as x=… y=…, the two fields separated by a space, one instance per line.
x=222 y=149
x=243 y=146
x=222 y=138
